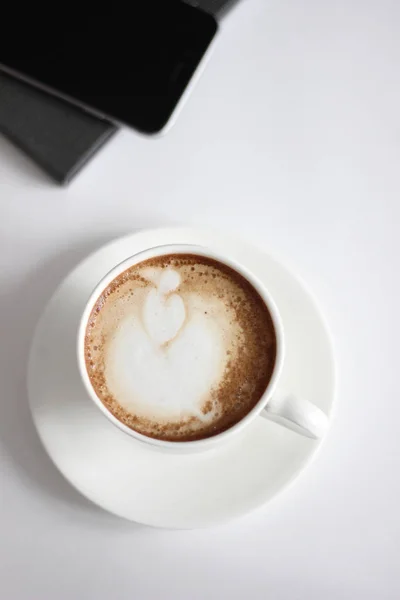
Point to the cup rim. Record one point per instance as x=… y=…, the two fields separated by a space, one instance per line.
x=204 y=251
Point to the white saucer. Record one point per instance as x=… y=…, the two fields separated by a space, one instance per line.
x=142 y=484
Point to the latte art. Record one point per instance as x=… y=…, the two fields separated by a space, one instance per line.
x=165 y=361
x=179 y=347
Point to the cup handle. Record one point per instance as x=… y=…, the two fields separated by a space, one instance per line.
x=297 y=414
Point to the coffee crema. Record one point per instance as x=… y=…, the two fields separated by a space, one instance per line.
x=180 y=347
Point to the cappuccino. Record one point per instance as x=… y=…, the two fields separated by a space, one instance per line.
x=180 y=347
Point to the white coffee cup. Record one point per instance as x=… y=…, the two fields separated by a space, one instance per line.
x=295 y=413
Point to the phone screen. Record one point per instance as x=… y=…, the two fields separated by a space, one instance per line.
x=132 y=67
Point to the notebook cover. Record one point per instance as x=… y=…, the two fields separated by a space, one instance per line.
x=58 y=136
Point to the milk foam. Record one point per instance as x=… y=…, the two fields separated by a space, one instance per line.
x=179 y=347
x=168 y=353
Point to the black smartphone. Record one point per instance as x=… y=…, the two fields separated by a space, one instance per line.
x=132 y=66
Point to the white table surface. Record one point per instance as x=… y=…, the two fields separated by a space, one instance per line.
x=292 y=139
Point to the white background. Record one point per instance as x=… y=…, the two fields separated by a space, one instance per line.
x=292 y=139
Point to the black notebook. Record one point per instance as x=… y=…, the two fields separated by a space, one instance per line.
x=58 y=136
